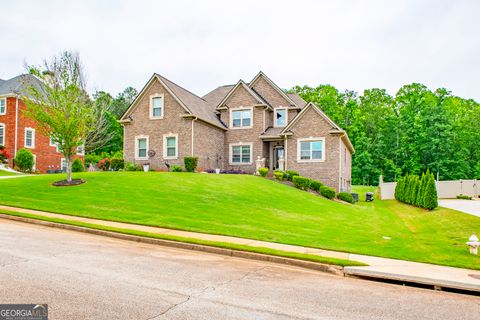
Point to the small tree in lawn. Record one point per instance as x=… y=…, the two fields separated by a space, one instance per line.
x=430 y=201
x=61 y=108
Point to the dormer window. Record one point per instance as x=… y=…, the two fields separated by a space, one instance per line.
x=156 y=106
x=280 y=117
x=240 y=118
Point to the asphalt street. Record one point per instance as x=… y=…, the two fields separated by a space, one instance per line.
x=83 y=276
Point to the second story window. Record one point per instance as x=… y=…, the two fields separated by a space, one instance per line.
x=3 y=106
x=156 y=106
x=241 y=118
x=280 y=115
x=2 y=134
x=29 y=138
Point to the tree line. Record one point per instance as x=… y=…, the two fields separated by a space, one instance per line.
x=413 y=131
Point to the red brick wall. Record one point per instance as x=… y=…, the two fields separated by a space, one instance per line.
x=47 y=157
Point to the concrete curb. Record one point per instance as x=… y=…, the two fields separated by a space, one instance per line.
x=332 y=269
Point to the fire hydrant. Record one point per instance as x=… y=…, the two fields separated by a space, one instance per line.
x=473 y=244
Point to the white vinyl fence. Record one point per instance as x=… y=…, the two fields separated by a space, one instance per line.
x=445 y=189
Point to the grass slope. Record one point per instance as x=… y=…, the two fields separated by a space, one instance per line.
x=7 y=173
x=256 y=208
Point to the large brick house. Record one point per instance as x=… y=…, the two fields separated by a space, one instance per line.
x=232 y=127
x=18 y=131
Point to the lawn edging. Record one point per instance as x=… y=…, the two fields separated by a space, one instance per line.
x=309 y=261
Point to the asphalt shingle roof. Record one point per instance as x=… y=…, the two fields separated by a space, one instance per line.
x=18 y=83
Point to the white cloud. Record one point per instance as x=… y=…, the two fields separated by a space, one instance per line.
x=203 y=44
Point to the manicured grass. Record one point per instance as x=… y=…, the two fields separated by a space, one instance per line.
x=256 y=208
x=7 y=173
x=268 y=251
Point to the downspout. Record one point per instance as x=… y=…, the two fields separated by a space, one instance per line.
x=340 y=164
x=285 y=152
x=193 y=133
x=16 y=127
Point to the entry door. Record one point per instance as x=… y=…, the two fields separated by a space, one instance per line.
x=278 y=154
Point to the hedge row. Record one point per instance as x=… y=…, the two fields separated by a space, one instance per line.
x=304 y=183
x=418 y=191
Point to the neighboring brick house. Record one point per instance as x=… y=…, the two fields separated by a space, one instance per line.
x=18 y=131
x=233 y=126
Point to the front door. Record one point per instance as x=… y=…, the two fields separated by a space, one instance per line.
x=278 y=153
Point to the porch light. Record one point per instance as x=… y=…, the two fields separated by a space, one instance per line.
x=473 y=244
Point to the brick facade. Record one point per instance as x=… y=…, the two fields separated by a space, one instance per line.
x=47 y=157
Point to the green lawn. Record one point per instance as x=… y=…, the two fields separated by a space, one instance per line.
x=257 y=208
x=7 y=173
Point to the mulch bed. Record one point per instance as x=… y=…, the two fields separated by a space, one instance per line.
x=65 y=183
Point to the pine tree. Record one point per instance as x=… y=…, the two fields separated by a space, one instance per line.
x=420 y=192
x=431 y=196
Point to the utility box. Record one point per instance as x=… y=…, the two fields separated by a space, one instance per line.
x=368 y=196
x=355 y=197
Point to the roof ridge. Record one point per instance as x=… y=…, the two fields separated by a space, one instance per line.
x=181 y=87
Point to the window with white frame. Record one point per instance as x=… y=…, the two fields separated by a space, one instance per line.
x=63 y=165
x=170 y=146
x=3 y=106
x=241 y=154
x=2 y=134
x=141 y=147
x=281 y=115
x=29 y=138
x=156 y=106
x=241 y=118
x=311 y=149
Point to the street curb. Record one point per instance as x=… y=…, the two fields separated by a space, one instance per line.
x=332 y=269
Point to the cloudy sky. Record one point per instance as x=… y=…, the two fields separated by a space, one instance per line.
x=203 y=44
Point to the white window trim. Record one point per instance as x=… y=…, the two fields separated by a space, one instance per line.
x=165 y=136
x=2 y=142
x=230 y=154
x=33 y=138
x=275 y=117
x=5 y=110
x=241 y=127
x=136 y=147
x=299 y=141
x=61 y=163
x=156 y=95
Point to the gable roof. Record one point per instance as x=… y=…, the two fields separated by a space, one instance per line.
x=298 y=100
x=16 y=85
x=274 y=86
x=193 y=104
x=214 y=97
x=241 y=83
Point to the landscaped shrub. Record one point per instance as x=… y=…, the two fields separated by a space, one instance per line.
x=104 y=164
x=176 y=169
x=4 y=154
x=278 y=175
x=117 y=164
x=263 y=171
x=289 y=174
x=345 y=196
x=77 y=165
x=430 y=200
x=233 y=172
x=130 y=166
x=327 y=192
x=315 y=185
x=24 y=160
x=301 y=182
x=421 y=192
x=190 y=163
x=464 y=197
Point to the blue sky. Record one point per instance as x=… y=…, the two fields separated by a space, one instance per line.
x=203 y=44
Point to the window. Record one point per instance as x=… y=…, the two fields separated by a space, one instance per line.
x=280 y=115
x=241 y=154
x=170 y=146
x=241 y=118
x=30 y=138
x=3 y=106
x=156 y=106
x=311 y=150
x=141 y=148
x=81 y=150
x=63 y=165
x=2 y=134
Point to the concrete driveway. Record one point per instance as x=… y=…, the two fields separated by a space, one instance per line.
x=468 y=206
x=84 y=276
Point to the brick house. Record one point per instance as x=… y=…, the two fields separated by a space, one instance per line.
x=232 y=127
x=18 y=131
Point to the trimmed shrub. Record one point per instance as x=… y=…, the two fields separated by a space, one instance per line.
x=190 y=163
x=176 y=169
x=301 y=182
x=315 y=185
x=289 y=174
x=130 y=166
x=104 y=164
x=327 y=192
x=24 y=160
x=345 y=196
x=464 y=197
x=77 y=165
x=263 y=172
x=4 y=154
x=117 y=164
x=421 y=192
x=430 y=200
x=278 y=175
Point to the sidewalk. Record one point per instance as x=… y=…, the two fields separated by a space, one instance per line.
x=383 y=268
